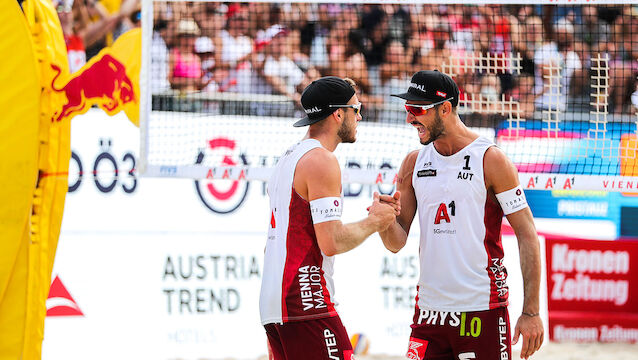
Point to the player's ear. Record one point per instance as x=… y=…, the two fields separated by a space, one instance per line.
x=446 y=108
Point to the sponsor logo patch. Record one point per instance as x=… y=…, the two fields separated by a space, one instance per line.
x=425 y=173
x=441 y=94
x=416 y=349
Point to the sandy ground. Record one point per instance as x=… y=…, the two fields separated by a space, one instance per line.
x=555 y=351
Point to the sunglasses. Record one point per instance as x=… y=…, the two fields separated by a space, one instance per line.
x=356 y=107
x=418 y=110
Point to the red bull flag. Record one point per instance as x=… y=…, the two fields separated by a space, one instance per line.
x=37 y=106
x=109 y=80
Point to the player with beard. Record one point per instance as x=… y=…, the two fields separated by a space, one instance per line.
x=296 y=303
x=462 y=185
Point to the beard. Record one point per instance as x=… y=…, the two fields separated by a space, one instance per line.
x=347 y=133
x=436 y=130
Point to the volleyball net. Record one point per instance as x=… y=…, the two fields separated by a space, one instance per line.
x=553 y=83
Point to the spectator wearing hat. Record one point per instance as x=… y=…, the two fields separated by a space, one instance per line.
x=281 y=73
x=297 y=304
x=462 y=185
x=185 y=67
x=211 y=78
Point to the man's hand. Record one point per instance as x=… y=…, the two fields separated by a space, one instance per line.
x=392 y=200
x=382 y=214
x=531 y=327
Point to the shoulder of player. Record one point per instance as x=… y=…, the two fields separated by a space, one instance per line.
x=407 y=167
x=500 y=172
x=495 y=158
x=319 y=162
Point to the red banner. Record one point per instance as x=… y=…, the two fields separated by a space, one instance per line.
x=592 y=290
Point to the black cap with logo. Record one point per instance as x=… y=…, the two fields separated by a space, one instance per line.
x=431 y=85
x=320 y=94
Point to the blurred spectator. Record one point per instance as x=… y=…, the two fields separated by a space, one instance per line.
x=556 y=62
x=634 y=96
x=346 y=58
x=205 y=49
x=236 y=51
x=159 y=57
x=624 y=58
x=318 y=29
x=280 y=72
x=591 y=29
x=74 y=43
x=185 y=67
x=440 y=52
x=394 y=74
x=298 y=56
x=396 y=71
x=85 y=24
x=97 y=23
x=523 y=93
x=211 y=18
x=375 y=23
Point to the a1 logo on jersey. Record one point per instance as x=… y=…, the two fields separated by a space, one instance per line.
x=416 y=349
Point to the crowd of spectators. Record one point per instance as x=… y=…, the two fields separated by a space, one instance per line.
x=90 y=25
x=278 y=48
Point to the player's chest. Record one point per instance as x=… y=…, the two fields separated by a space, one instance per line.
x=459 y=176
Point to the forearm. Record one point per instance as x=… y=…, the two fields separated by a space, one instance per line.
x=529 y=251
x=394 y=237
x=353 y=234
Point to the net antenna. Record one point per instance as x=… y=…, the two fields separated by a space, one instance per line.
x=229 y=116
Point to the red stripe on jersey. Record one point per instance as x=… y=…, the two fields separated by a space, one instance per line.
x=494 y=249
x=302 y=251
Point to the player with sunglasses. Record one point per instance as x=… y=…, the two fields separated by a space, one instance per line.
x=462 y=185
x=296 y=303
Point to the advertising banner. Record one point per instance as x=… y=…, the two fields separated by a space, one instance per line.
x=592 y=290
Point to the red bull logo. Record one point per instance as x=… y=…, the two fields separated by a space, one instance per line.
x=103 y=83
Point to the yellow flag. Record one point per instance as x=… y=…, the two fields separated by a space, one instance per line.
x=20 y=103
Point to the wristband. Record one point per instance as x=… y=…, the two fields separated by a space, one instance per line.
x=529 y=314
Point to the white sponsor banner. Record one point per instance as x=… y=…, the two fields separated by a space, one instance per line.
x=164 y=269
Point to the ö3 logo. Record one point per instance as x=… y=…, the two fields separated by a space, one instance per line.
x=108 y=170
x=222 y=196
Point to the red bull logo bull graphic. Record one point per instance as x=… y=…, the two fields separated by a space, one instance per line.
x=103 y=83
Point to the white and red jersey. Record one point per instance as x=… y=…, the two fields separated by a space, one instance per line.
x=297 y=278
x=460 y=246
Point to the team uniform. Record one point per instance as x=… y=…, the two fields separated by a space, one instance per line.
x=462 y=294
x=297 y=293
